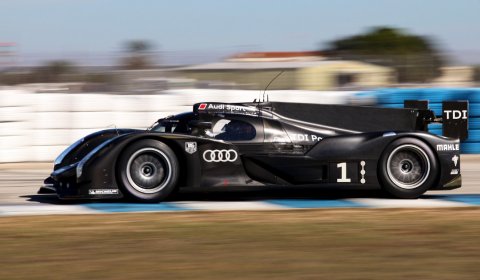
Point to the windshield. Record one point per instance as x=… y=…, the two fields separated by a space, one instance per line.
x=174 y=124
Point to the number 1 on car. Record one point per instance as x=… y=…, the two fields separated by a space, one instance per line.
x=343 y=178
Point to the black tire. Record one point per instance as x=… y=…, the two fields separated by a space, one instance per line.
x=407 y=168
x=148 y=171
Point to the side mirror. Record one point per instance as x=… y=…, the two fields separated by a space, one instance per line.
x=200 y=124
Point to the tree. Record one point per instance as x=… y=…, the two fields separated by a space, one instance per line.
x=414 y=58
x=138 y=55
x=53 y=71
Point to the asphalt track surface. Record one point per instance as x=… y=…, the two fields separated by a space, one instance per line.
x=19 y=184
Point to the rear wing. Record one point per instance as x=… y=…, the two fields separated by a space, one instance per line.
x=454 y=117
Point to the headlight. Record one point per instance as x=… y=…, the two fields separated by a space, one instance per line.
x=79 y=169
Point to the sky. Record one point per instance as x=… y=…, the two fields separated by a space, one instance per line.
x=181 y=28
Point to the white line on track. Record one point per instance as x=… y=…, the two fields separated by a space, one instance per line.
x=20 y=210
x=229 y=205
x=406 y=203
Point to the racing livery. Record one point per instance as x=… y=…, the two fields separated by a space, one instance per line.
x=267 y=143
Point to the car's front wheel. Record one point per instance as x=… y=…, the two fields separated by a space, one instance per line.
x=407 y=168
x=148 y=171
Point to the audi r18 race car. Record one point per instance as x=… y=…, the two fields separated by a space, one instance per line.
x=268 y=143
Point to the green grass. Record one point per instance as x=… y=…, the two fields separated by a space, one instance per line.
x=314 y=244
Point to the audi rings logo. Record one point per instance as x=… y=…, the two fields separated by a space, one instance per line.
x=220 y=155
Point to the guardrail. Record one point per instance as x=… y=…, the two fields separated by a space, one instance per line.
x=38 y=126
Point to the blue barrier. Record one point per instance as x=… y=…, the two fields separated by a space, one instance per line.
x=393 y=105
x=433 y=95
x=473 y=136
x=470 y=148
x=474 y=110
x=435 y=131
x=434 y=126
x=474 y=123
x=394 y=98
x=474 y=95
x=436 y=108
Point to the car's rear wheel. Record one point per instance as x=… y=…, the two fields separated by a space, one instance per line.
x=407 y=168
x=148 y=171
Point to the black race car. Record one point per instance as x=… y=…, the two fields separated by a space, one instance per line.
x=267 y=143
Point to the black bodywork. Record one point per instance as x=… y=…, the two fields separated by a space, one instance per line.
x=267 y=144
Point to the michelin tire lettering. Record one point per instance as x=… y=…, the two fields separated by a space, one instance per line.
x=102 y=191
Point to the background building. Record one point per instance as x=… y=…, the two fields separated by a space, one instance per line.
x=301 y=70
